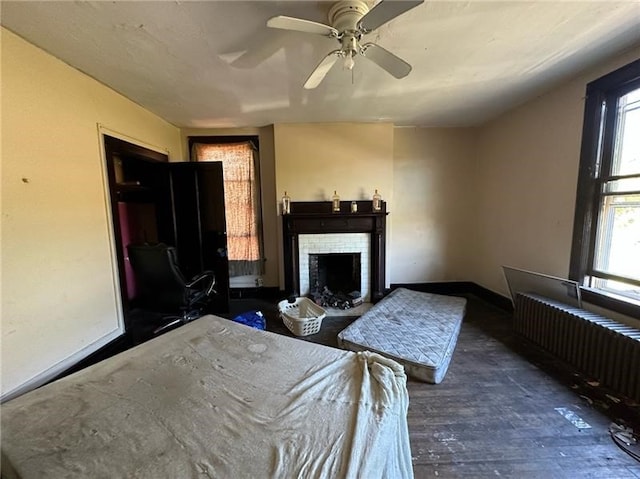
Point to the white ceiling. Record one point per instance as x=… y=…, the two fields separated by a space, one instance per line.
x=471 y=59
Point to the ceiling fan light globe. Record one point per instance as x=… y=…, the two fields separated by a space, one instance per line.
x=349 y=62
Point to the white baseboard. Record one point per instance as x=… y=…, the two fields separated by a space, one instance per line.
x=58 y=368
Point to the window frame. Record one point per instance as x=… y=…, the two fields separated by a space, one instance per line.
x=594 y=158
x=227 y=139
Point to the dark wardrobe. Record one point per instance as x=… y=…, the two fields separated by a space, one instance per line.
x=180 y=204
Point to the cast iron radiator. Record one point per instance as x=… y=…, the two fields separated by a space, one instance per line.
x=602 y=348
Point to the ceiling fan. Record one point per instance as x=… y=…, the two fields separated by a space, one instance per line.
x=349 y=21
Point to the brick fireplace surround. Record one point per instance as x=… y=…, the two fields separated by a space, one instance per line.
x=335 y=243
x=316 y=218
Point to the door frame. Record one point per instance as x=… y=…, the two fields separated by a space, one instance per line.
x=136 y=148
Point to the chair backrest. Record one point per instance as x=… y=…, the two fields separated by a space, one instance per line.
x=161 y=286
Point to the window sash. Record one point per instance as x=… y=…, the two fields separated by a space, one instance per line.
x=617 y=246
x=616 y=202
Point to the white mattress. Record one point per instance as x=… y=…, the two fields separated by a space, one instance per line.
x=215 y=399
x=419 y=330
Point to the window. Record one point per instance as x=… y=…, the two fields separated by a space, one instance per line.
x=606 y=246
x=242 y=201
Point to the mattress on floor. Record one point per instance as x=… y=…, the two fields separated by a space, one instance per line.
x=215 y=399
x=419 y=330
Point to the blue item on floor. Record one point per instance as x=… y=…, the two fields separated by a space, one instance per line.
x=255 y=319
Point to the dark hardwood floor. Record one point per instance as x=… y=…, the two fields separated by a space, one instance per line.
x=496 y=412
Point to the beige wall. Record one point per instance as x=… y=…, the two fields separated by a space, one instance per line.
x=528 y=172
x=58 y=293
x=313 y=160
x=434 y=198
x=424 y=174
x=267 y=187
x=462 y=202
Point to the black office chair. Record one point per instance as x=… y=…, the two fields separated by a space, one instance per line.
x=162 y=287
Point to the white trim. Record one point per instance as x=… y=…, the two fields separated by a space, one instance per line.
x=58 y=368
x=103 y=130
x=115 y=278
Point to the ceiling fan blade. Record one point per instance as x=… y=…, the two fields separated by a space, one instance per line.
x=395 y=65
x=385 y=11
x=257 y=49
x=322 y=69
x=301 y=25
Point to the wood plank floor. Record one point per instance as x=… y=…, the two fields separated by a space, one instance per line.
x=495 y=414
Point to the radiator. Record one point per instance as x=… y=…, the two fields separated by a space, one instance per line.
x=601 y=348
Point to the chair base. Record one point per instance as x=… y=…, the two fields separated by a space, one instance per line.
x=184 y=319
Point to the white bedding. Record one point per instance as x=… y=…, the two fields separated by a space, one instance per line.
x=215 y=399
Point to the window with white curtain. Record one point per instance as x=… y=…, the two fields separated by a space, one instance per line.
x=240 y=165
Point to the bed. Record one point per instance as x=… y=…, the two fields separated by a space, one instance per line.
x=418 y=330
x=215 y=399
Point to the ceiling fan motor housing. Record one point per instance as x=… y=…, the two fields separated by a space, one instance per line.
x=345 y=15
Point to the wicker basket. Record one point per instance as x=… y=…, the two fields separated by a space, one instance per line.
x=303 y=317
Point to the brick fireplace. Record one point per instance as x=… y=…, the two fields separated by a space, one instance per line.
x=312 y=228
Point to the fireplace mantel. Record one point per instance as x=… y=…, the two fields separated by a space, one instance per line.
x=316 y=217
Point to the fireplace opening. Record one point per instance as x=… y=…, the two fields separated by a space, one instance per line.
x=334 y=279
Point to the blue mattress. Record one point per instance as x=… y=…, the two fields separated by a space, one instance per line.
x=418 y=330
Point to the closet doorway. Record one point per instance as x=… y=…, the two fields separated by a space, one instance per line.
x=180 y=204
